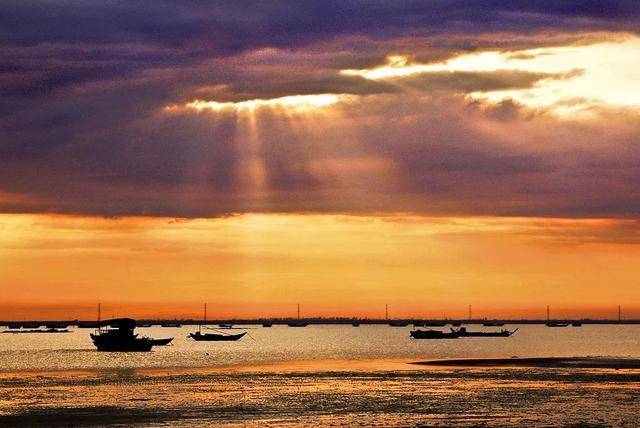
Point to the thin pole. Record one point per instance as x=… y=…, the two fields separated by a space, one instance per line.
x=619 y=313
x=469 y=312
x=386 y=312
x=298 y=310
x=548 y=313
x=99 y=310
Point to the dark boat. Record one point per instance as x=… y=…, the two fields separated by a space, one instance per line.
x=121 y=338
x=355 y=324
x=267 y=324
x=434 y=334
x=297 y=324
x=576 y=323
x=37 y=330
x=225 y=325
x=162 y=342
x=145 y=325
x=456 y=323
x=556 y=324
x=434 y=323
x=171 y=324
x=492 y=324
x=215 y=337
x=398 y=323
x=462 y=331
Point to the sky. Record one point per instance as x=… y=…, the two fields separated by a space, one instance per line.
x=342 y=155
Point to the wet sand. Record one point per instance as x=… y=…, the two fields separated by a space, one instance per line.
x=548 y=362
x=310 y=394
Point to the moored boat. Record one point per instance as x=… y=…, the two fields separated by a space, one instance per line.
x=434 y=334
x=463 y=332
x=119 y=336
x=215 y=337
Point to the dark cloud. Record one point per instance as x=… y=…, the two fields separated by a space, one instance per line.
x=83 y=85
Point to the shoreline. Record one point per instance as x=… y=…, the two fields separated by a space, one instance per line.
x=615 y=363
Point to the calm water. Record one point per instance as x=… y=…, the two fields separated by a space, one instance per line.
x=318 y=375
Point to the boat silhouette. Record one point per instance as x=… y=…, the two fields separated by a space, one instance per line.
x=434 y=334
x=492 y=324
x=463 y=332
x=213 y=337
x=119 y=336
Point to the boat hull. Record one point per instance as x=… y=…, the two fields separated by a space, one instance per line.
x=210 y=337
x=133 y=344
x=433 y=334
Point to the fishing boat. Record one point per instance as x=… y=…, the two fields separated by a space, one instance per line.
x=434 y=323
x=119 y=336
x=37 y=330
x=298 y=323
x=576 y=323
x=225 y=325
x=398 y=323
x=463 y=332
x=556 y=324
x=434 y=334
x=492 y=324
x=267 y=324
x=215 y=337
x=355 y=324
x=219 y=336
x=171 y=324
x=162 y=342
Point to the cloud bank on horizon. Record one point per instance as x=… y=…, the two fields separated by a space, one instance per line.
x=202 y=109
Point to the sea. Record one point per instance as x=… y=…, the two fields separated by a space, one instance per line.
x=320 y=375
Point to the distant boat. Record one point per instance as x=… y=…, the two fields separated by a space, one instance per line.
x=434 y=334
x=297 y=324
x=162 y=342
x=225 y=325
x=37 y=330
x=462 y=331
x=88 y=325
x=456 y=323
x=171 y=324
x=355 y=324
x=434 y=323
x=121 y=337
x=556 y=324
x=576 y=323
x=398 y=323
x=492 y=324
x=215 y=337
x=145 y=325
x=267 y=324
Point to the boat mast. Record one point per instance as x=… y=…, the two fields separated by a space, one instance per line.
x=298 y=310
x=99 y=313
x=386 y=312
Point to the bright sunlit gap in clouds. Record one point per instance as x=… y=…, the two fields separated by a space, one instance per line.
x=602 y=74
x=297 y=103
